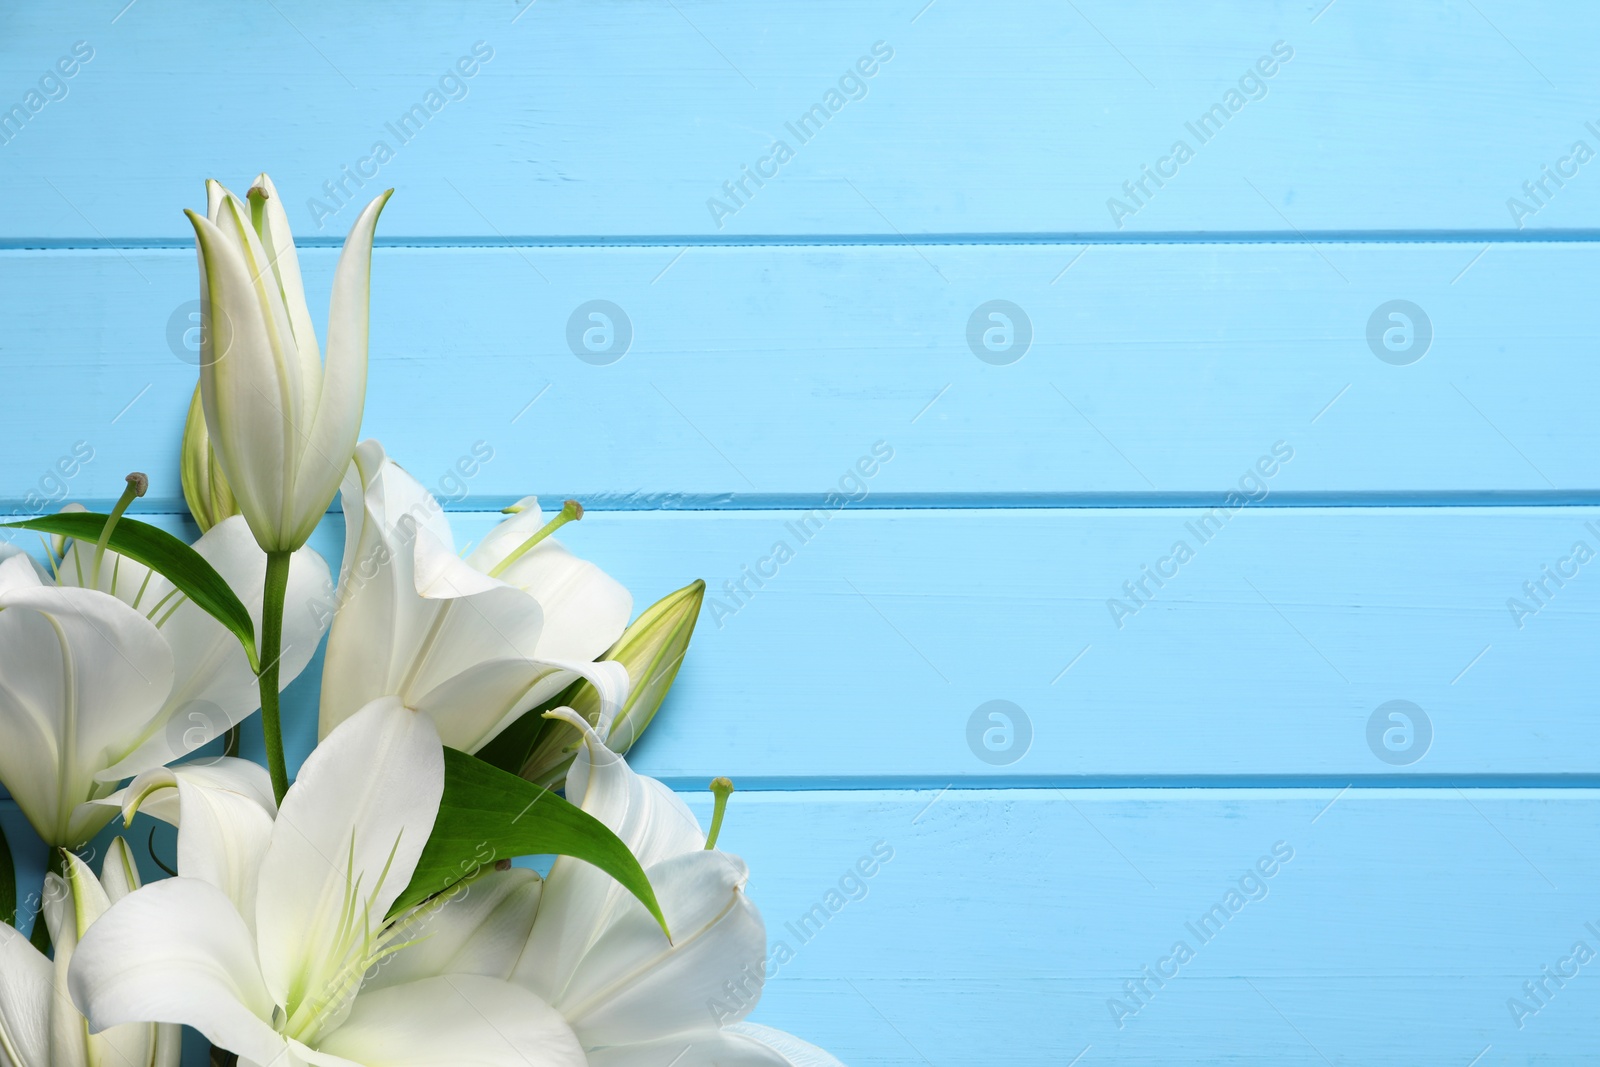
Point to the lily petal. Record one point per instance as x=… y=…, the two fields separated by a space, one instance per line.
x=223 y=809
x=580 y=903
x=634 y=985
x=246 y=403
x=333 y=433
x=82 y=676
x=478 y=929
x=176 y=952
x=25 y=991
x=454 y=1021
x=585 y=609
x=344 y=846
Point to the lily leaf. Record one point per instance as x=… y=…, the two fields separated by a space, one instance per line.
x=489 y=814
x=8 y=883
x=168 y=557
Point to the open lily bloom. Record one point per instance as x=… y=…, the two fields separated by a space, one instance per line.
x=213 y=687
x=39 y=1026
x=282 y=425
x=590 y=950
x=84 y=681
x=471 y=650
x=104 y=674
x=283 y=984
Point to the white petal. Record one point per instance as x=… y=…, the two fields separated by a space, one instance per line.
x=381 y=622
x=794 y=1052
x=585 y=609
x=454 y=1021
x=78 y=664
x=349 y=834
x=248 y=400
x=332 y=435
x=479 y=928
x=176 y=952
x=215 y=688
x=580 y=902
x=633 y=985
x=25 y=991
x=223 y=809
x=508 y=535
x=278 y=241
x=416 y=622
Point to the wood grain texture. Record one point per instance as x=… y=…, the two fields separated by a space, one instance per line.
x=1426 y=152
x=1156 y=373
x=626 y=118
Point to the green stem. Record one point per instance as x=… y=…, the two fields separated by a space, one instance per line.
x=277 y=585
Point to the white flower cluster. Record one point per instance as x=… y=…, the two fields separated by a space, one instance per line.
x=308 y=924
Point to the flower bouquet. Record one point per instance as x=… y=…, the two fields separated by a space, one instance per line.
x=474 y=709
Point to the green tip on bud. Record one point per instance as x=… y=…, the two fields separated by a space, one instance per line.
x=571 y=511
x=651 y=650
x=721 y=789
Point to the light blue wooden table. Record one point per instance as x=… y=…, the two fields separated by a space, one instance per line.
x=1200 y=219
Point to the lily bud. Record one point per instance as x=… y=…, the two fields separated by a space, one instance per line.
x=283 y=427
x=205 y=487
x=651 y=650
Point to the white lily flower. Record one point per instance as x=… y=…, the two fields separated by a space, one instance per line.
x=106 y=673
x=286 y=987
x=593 y=953
x=39 y=1026
x=282 y=426
x=473 y=643
x=214 y=688
x=84 y=680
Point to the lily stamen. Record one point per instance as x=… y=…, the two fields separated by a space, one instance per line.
x=571 y=511
x=137 y=486
x=721 y=789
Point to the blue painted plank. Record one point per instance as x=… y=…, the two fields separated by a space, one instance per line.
x=752 y=377
x=1048 y=902
x=871 y=656
x=608 y=119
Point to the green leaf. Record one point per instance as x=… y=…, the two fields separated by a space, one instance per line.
x=168 y=557
x=512 y=746
x=8 y=883
x=488 y=815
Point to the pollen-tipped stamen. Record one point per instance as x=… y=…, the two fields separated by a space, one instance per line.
x=571 y=511
x=721 y=789
x=137 y=485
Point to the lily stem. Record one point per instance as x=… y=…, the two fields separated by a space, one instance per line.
x=277 y=585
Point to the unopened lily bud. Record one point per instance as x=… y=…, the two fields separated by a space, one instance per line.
x=651 y=650
x=204 y=486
